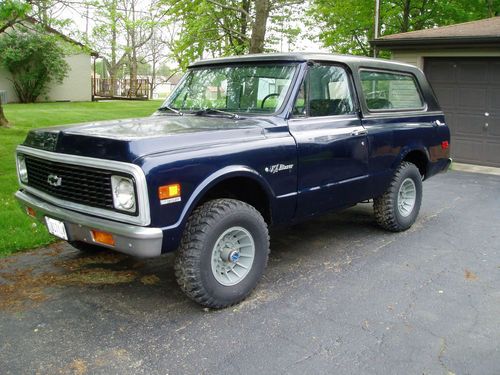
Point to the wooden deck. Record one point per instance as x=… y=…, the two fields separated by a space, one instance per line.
x=106 y=88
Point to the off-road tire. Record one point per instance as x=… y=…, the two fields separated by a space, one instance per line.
x=86 y=247
x=385 y=207
x=193 y=268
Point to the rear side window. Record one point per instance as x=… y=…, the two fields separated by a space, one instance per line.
x=390 y=91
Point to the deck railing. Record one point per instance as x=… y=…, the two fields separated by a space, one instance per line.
x=120 y=88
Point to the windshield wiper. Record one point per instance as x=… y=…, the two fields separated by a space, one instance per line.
x=166 y=107
x=207 y=111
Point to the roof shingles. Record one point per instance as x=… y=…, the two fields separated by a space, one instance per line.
x=486 y=29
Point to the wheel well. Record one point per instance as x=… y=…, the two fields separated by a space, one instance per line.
x=419 y=159
x=244 y=189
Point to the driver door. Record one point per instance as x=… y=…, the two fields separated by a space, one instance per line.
x=331 y=142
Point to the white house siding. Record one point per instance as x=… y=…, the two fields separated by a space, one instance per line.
x=409 y=57
x=75 y=87
x=6 y=85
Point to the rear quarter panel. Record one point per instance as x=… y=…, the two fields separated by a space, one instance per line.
x=391 y=139
x=392 y=135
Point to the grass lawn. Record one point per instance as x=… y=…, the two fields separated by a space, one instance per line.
x=17 y=230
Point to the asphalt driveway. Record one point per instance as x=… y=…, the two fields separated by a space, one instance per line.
x=339 y=296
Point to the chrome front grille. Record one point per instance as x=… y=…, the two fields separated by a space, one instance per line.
x=79 y=184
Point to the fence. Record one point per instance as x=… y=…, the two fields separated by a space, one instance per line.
x=120 y=88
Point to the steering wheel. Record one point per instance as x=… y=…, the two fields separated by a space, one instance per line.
x=267 y=97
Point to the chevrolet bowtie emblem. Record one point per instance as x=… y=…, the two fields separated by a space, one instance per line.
x=54 y=180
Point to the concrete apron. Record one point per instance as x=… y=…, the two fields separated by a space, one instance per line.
x=475 y=168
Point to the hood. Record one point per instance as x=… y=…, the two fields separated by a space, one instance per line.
x=130 y=139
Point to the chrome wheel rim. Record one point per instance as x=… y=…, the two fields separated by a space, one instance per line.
x=407 y=195
x=232 y=256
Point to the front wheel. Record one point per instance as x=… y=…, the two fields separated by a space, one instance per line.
x=223 y=253
x=397 y=209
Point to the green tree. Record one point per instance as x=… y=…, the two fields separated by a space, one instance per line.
x=35 y=60
x=123 y=28
x=223 y=27
x=347 y=26
x=203 y=26
x=11 y=12
x=106 y=38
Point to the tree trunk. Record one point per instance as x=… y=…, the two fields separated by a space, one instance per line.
x=133 y=55
x=3 y=119
x=133 y=76
x=491 y=12
x=153 y=78
x=262 y=8
x=405 y=22
x=112 y=72
x=113 y=90
x=243 y=42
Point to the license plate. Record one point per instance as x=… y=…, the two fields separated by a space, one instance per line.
x=56 y=228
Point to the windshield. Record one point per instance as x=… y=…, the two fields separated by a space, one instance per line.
x=233 y=88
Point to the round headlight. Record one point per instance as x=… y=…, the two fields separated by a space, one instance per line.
x=123 y=193
x=22 y=170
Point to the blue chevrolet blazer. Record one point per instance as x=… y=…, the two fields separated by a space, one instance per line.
x=242 y=143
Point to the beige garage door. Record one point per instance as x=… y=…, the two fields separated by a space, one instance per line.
x=468 y=90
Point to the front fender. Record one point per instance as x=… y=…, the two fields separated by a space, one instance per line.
x=212 y=180
x=172 y=233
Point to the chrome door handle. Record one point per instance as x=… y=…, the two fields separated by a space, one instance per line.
x=356 y=133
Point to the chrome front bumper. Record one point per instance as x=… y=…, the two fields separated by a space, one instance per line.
x=129 y=239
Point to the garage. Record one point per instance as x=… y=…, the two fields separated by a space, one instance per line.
x=468 y=90
x=462 y=63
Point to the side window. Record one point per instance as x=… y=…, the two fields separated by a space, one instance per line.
x=385 y=90
x=325 y=92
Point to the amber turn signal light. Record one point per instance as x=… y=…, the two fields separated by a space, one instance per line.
x=30 y=212
x=103 y=237
x=169 y=191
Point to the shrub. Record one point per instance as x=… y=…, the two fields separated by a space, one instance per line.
x=35 y=60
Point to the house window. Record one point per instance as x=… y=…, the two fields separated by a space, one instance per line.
x=390 y=91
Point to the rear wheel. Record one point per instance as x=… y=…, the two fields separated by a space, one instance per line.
x=397 y=209
x=223 y=253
